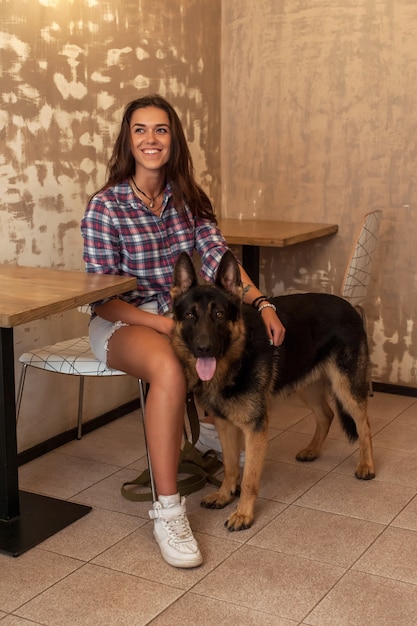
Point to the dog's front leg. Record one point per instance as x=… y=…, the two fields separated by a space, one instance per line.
x=231 y=441
x=255 y=450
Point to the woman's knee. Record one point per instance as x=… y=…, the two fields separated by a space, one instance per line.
x=168 y=369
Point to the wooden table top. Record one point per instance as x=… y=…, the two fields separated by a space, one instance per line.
x=29 y=293
x=272 y=233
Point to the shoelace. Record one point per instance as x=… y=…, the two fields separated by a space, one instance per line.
x=178 y=528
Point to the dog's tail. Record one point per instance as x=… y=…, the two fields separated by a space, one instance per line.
x=347 y=421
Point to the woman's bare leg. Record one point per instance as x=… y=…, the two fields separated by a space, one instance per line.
x=145 y=353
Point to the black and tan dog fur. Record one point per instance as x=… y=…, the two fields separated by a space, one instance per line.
x=324 y=351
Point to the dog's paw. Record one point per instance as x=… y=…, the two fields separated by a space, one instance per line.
x=215 y=501
x=306 y=455
x=238 y=521
x=364 y=472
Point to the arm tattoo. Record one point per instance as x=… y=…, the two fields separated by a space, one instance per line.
x=246 y=288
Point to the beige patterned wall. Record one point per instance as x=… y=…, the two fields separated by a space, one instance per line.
x=68 y=67
x=319 y=121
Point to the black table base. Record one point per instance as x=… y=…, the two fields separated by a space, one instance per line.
x=40 y=517
x=250 y=262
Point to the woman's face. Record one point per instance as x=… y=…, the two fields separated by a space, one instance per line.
x=150 y=136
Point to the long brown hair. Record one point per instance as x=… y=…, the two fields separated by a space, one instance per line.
x=179 y=170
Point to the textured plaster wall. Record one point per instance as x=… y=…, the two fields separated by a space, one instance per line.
x=68 y=67
x=319 y=119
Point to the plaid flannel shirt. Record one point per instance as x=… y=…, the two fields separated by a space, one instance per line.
x=122 y=236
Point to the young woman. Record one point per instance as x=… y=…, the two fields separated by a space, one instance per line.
x=149 y=210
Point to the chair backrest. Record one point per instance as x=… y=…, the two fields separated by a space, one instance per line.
x=358 y=271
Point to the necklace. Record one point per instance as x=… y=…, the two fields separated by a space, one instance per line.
x=151 y=200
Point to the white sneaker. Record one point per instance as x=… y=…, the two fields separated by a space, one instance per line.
x=209 y=440
x=174 y=536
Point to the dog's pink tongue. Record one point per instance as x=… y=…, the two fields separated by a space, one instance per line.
x=205 y=366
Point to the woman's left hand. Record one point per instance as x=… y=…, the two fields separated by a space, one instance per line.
x=274 y=327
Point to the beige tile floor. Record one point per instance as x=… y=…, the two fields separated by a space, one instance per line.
x=325 y=549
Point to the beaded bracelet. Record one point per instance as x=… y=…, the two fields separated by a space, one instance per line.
x=266 y=306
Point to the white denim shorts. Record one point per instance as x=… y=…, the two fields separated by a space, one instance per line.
x=101 y=330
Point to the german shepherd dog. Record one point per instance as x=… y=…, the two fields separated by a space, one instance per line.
x=232 y=369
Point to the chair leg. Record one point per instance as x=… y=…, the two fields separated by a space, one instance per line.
x=80 y=408
x=143 y=390
x=20 y=390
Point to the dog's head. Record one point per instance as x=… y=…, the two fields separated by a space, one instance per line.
x=208 y=324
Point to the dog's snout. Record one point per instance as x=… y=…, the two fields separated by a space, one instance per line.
x=203 y=348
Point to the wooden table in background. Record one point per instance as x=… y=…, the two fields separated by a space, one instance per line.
x=28 y=294
x=253 y=234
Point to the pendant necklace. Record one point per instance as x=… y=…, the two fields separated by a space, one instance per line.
x=151 y=200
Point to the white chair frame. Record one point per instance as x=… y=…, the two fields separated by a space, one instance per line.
x=74 y=357
x=357 y=276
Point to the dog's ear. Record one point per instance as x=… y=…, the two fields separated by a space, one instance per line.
x=228 y=275
x=184 y=276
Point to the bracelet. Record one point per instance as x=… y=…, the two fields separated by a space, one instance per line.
x=266 y=306
x=255 y=303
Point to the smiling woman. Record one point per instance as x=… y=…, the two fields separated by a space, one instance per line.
x=149 y=210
